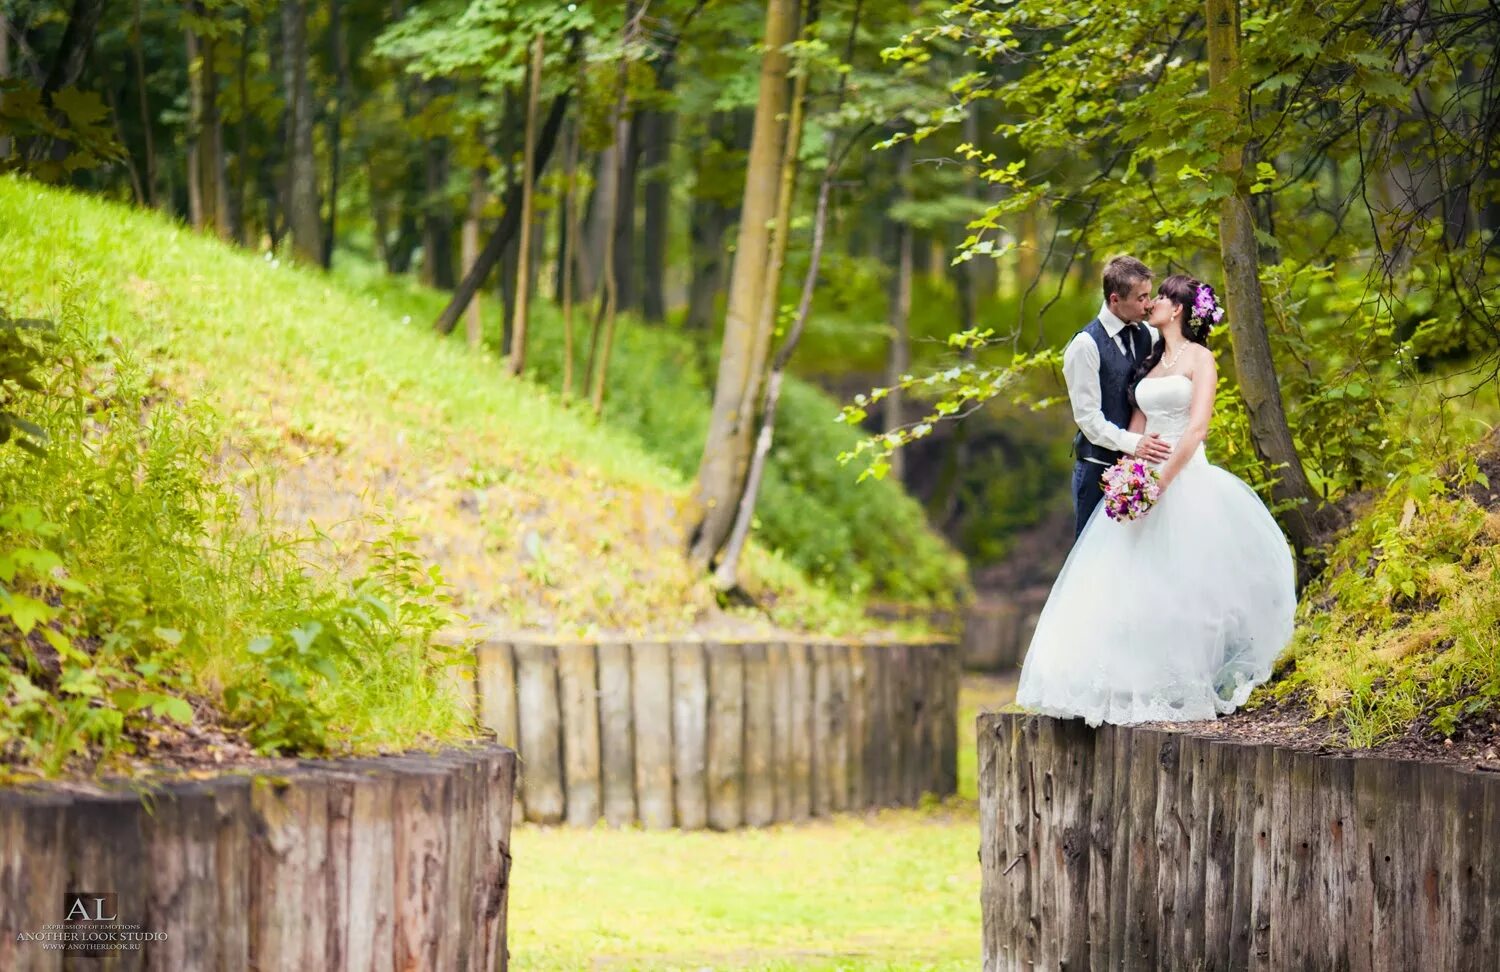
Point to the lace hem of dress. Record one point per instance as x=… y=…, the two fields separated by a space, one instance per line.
x=1195 y=703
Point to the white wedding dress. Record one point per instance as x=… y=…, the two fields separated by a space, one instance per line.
x=1172 y=617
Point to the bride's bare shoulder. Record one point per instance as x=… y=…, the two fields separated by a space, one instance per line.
x=1200 y=361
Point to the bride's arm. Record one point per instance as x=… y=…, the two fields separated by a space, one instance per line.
x=1137 y=421
x=1205 y=382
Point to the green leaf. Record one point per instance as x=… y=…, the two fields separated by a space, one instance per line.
x=174 y=708
x=306 y=634
x=26 y=612
x=260 y=644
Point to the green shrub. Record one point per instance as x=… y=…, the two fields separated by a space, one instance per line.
x=143 y=587
x=1402 y=630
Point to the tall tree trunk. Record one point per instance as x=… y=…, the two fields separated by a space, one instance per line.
x=243 y=224
x=335 y=135
x=1254 y=366
x=726 y=453
x=568 y=246
x=657 y=128
x=215 y=180
x=726 y=575
x=610 y=208
x=5 y=70
x=73 y=50
x=602 y=208
x=507 y=290
x=708 y=222
x=898 y=316
x=304 y=221
x=711 y=217
x=473 y=317
x=509 y=222
x=982 y=273
x=197 y=214
x=67 y=64
x=138 y=61
x=626 y=286
x=528 y=194
x=437 y=221
x=1029 y=252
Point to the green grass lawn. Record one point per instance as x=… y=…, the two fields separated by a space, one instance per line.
x=898 y=889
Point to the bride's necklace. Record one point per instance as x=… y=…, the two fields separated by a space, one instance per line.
x=1175 y=355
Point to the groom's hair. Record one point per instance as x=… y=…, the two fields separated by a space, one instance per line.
x=1122 y=273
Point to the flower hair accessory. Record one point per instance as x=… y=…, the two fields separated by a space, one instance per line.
x=1206 y=306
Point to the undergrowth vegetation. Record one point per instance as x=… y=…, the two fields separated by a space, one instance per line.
x=1401 y=632
x=148 y=600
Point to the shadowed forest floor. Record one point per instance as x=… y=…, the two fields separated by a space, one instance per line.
x=895 y=890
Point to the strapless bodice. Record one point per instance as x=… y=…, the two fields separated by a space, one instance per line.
x=1167 y=402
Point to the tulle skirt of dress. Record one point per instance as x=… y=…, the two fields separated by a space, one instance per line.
x=1173 y=617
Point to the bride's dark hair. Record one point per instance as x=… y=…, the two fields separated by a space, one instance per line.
x=1183 y=291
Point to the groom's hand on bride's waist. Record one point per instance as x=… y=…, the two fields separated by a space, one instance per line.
x=1153 y=448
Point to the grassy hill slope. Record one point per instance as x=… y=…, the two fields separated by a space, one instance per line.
x=539 y=516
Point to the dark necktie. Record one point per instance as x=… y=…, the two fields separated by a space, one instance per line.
x=1127 y=334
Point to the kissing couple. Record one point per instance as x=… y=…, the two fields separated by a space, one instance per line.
x=1175 y=601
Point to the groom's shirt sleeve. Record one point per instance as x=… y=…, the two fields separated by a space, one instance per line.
x=1081 y=374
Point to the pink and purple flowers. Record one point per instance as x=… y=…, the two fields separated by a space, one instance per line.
x=1131 y=488
x=1206 y=305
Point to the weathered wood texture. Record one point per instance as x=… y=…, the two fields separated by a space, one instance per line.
x=997 y=629
x=723 y=734
x=392 y=863
x=1134 y=848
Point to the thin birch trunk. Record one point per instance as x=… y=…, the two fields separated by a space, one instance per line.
x=528 y=193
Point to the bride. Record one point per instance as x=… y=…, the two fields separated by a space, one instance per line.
x=1178 y=615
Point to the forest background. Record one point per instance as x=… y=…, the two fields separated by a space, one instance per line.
x=898 y=205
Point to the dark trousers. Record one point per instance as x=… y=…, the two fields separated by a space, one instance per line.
x=1088 y=491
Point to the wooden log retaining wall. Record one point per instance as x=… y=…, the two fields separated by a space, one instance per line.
x=721 y=734
x=389 y=863
x=997 y=630
x=1132 y=848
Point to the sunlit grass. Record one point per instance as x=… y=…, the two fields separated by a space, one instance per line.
x=894 y=890
x=540 y=516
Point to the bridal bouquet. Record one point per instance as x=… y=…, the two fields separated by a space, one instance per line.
x=1131 y=487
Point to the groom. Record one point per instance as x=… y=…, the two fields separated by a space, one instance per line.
x=1097 y=366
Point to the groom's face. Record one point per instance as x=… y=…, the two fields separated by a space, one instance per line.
x=1135 y=304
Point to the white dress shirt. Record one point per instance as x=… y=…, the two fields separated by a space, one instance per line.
x=1081 y=374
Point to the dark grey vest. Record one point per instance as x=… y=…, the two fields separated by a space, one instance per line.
x=1114 y=385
